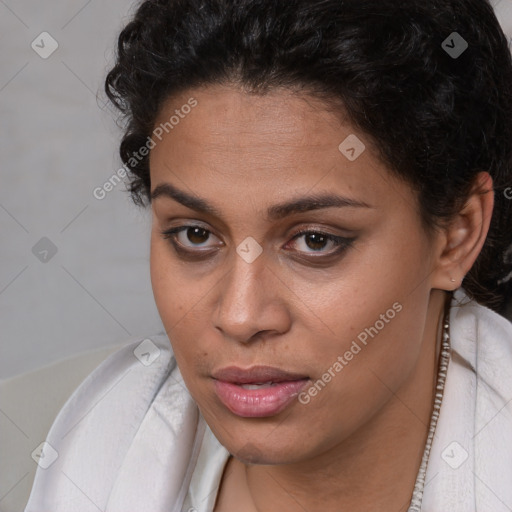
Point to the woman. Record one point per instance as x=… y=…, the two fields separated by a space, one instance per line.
x=330 y=256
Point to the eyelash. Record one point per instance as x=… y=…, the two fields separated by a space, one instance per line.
x=341 y=243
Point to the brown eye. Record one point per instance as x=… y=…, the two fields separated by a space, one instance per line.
x=186 y=238
x=197 y=235
x=191 y=242
x=313 y=242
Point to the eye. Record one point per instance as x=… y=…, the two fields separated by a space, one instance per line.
x=317 y=241
x=185 y=238
x=197 y=236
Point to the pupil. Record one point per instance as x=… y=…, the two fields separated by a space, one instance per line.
x=194 y=233
x=317 y=239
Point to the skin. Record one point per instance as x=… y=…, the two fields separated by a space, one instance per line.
x=357 y=445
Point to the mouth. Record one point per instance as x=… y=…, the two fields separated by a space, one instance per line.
x=259 y=391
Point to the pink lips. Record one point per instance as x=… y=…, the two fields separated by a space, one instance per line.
x=262 y=401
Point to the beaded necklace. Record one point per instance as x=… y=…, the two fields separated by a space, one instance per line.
x=417 y=494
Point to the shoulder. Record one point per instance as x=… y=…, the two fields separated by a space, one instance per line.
x=473 y=434
x=95 y=430
x=482 y=344
x=139 y=366
x=480 y=331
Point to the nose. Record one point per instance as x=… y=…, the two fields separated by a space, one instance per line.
x=251 y=302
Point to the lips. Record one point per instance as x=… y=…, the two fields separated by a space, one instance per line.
x=256 y=375
x=258 y=391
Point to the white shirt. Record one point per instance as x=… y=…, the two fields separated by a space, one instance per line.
x=131 y=439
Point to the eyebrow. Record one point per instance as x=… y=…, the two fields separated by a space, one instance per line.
x=275 y=212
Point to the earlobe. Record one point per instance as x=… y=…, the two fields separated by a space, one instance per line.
x=464 y=236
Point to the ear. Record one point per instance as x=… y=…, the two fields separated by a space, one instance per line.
x=461 y=241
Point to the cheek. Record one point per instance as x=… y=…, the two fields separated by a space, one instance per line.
x=373 y=317
x=180 y=305
x=169 y=290
x=162 y=282
x=174 y=292
x=356 y=378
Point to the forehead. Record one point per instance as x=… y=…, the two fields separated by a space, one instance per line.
x=281 y=139
x=227 y=119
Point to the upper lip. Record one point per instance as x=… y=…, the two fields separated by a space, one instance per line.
x=255 y=374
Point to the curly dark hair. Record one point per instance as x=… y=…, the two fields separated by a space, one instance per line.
x=436 y=118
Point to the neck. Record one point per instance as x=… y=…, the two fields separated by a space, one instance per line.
x=377 y=465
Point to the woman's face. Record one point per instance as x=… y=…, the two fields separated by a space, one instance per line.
x=342 y=306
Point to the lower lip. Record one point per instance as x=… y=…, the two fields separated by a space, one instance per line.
x=257 y=403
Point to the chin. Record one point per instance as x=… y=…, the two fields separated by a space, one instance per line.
x=262 y=448
x=269 y=441
x=252 y=453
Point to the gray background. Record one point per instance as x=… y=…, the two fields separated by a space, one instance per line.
x=57 y=144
